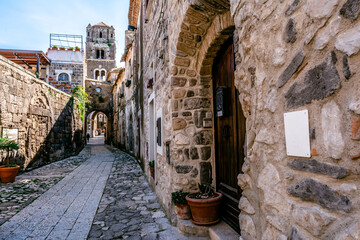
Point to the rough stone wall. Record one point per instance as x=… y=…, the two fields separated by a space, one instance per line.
x=77 y=76
x=297 y=55
x=290 y=55
x=92 y=64
x=49 y=126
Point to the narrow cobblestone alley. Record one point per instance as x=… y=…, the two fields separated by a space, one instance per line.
x=78 y=207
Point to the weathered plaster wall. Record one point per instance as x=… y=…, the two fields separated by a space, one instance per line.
x=49 y=126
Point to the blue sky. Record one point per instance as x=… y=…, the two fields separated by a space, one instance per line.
x=27 y=24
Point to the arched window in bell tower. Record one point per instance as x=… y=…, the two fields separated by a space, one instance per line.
x=100 y=35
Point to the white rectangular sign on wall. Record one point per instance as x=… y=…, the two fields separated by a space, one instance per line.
x=297 y=133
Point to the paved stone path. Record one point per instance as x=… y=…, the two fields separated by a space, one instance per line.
x=66 y=211
x=78 y=207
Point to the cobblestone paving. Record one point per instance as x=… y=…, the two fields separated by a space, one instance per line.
x=129 y=209
x=57 y=204
x=30 y=185
x=67 y=209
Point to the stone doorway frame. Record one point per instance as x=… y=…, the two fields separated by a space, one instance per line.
x=203 y=31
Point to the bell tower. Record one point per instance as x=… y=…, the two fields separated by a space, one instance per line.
x=100 y=50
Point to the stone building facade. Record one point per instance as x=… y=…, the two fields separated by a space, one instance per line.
x=100 y=50
x=47 y=123
x=215 y=72
x=66 y=69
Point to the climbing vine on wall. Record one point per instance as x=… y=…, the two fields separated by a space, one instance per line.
x=83 y=98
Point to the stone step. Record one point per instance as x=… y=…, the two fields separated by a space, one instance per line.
x=187 y=228
x=222 y=231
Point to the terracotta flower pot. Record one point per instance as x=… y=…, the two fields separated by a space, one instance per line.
x=152 y=172
x=204 y=211
x=8 y=174
x=58 y=85
x=183 y=211
x=68 y=87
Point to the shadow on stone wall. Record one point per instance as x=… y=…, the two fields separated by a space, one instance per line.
x=64 y=139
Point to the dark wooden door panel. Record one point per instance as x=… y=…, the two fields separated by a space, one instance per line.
x=229 y=136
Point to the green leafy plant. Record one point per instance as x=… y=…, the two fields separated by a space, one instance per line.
x=151 y=163
x=9 y=146
x=179 y=197
x=83 y=98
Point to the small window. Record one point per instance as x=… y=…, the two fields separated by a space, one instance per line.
x=111 y=35
x=100 y=35
x=98 y=89
x=63 y=77
x=88 y=34
x=100 y=54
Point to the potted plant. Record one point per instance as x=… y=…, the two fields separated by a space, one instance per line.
x=62 y=48
x=68 y=86
x=63 y=84
x=54 y=48
x=151 y=166
x=77 y=48
x=204 y=205
x=182 y=208
x=8 y=171
x=70 y=49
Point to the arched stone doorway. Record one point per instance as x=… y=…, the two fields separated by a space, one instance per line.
x=97 y=124
x=210 y=29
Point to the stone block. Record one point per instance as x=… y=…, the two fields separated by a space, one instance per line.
x=199 y=117
x=204 y=137
x=349 y=40
x=194 y=153
x=205 y=153
x=320 y=82
x=194 y=173
x=351 y=9
x=355 y=127
x=196 y=103
x=181 y=139
x=245 y=206
x=190 y=93
x=291 y=69
x=292 y=8
x=182 y=62
x=178 y=93
x=178 y=82
x=331 y=122
x=346 y=68
x=205 y=172
x=314 y=166
x=247 y=225
x=183 y=169
x=192 y=82
x=178 y=123
x=313 y=191
x=290 y=31
x=295 y=234
x=312 y=219
x=184 y=48
x=191 y=73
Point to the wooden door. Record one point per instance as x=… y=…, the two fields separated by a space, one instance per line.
x=229 y=134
